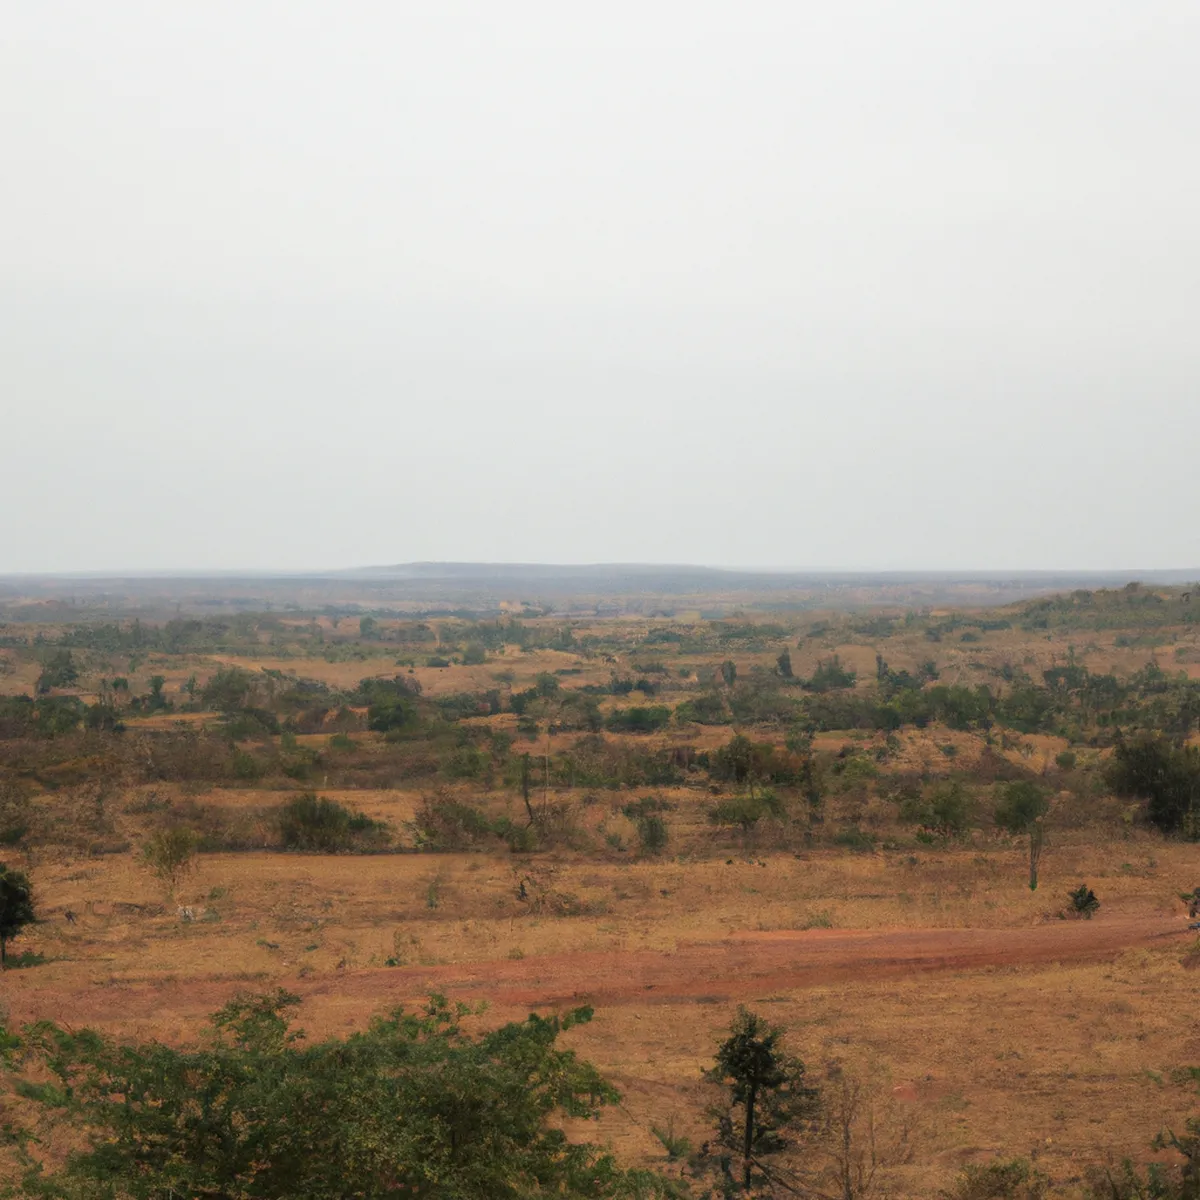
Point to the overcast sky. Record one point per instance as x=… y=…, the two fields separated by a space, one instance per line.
x=881 y=283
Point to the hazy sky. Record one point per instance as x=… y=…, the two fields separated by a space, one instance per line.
x=874 y=283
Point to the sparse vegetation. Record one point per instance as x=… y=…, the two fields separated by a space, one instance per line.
x=726 y=797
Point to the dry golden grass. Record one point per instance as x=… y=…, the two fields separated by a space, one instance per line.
x=1068 y=1059
x=1006 y=1050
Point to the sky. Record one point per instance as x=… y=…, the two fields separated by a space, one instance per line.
x=882 y=284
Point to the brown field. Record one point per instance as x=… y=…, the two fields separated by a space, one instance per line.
x=993 y=1025
x=998 y=1026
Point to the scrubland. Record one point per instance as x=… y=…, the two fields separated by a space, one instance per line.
x=813 y=815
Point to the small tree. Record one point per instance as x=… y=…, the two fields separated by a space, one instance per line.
x=58 y=671
x=764 y=1099
x=860 y=1136
x=170 y=855
x=784 y=663
x=16 y=906
x=1022 y=810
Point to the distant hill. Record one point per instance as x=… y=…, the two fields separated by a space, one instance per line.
x=481 y=589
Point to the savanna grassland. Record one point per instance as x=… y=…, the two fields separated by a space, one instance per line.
x=830 y=817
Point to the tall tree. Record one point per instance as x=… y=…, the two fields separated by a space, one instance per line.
x=764 y=1101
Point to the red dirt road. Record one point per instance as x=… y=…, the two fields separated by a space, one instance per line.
x=742 y=966
x=756 y=964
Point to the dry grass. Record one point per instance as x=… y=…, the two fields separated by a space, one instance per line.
x=1070 y=1060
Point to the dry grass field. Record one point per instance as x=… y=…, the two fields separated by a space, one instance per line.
x=989 y=1022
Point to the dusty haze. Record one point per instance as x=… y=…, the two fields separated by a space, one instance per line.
x=868 y=285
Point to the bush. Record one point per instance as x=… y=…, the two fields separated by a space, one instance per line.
x=652 y=834
x=413 y=1105
x=830 y=675
x=1084 y=902
x=746 y=811
x=169 y=853
x=708 y=709
x=322 y=825
x=16 y=906
x=1066 y=760
x=1166 y=776
x=853 y=838
x=228 y=690
x=638 y=719
x=443 y=823
x=1012 y=1180
x=944 y=811
x=58 y=671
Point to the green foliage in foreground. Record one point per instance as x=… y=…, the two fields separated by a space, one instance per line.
x=412 y=1107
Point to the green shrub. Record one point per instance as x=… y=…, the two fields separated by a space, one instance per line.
x=444 y=823
x=652 y=834
x=170 y=854
x=413 y=1105
x=707 y=709
x=1084 y=902
x=465 y=762
x=1164 y=774
x=747 y=810
x=316 y=823
x=1000 y=1180
x=638 y=719
x=853 y=838
x=830 y=676
x=943 y=811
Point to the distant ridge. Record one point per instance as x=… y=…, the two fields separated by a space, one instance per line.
x=732 y=576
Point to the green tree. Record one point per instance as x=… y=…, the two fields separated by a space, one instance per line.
x=413 y=1106
x=764 y=1103
x=59 y=714
x=1164 y=774
x=58 y=671
x=1022 y=810
x=830 y=675
x=228 y=690
x=170 y=855
x=156 y=700
x=784 y=663
x=16 y=906
x=944 y=812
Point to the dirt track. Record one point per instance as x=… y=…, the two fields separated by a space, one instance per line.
x=754 y=964
x=742 y=966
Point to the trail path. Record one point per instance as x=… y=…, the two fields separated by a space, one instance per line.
x=741 y=966
x=757 y=964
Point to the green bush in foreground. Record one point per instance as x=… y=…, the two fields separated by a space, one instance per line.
x=413 y=1106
